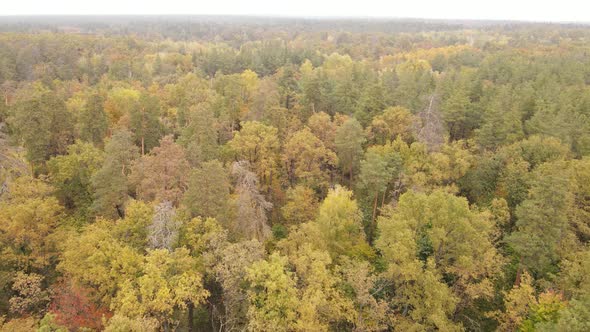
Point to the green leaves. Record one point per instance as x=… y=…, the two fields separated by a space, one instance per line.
x=167 y=281
x=542 y=219
x=340 y=227
x=207 y=194
x=28 y=222
x=349 y=142
x=71 y=174
x=258 y=144
x=307 y=160
x=272 y=296
x=436 y=247
x=42 y=123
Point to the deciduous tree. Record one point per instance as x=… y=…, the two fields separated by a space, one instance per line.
x=308 y=161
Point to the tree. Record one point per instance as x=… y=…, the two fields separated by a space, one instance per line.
x=339 y=76
x=465 y=153
x=393 y=122
x=517 y=302
x=95 y=258
x=190 y=93
x=30 y=296
x=272 y=296
x=322 y=127
x=308 y=161
x=144 y=122
x=310 y=84
x=349 y=146
x=163 y=232
x=133 y=230
x=415 y=81
x=340 y=226
x=288 y=86
x=286 y=121
x=162 y=174
x=200 y=137
x=301 y=206
x=47 y=323
x=430 y=128
x=441 y=257
x=110 y=183
x=258 y=144
x=426 y=171
x=502 y=122
x=235 y=93
x=542 y=219
x=93 y=121
x=380 y=166
x=559 y=112
x=371 y=312
x=575 y=317
x=207 y=194
x=449 y=165
x=13 y=163
x=536 y=150
x=42 y=123
x=29 y=218
x=545 y=311
x=19 y=325
x=120 y=103
x=229 y=265
x=265 y=98
x=167 y=282
x=72 y=307
x=371 y=100
x=71 y=175
x=251 y=204
x=322 y=302
x=573 y=281
x=120 y=323
x=456 y=110
x=580 y=214
x=573 y=276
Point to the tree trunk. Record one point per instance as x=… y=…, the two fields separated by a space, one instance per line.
x=191 y=307
x=142 y=146
x=120 y=211
x=375 y=207
x=518 y=273
x=372 y=230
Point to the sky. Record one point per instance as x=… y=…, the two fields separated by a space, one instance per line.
x=524 y=10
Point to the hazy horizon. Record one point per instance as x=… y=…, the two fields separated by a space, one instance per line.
x=566 y=11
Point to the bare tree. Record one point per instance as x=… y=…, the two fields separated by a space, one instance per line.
x=163 y=232
x=252 y=206
x=8 y=89
x=429 y=128
x=12 y=163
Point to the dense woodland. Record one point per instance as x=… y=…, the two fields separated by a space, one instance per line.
x=233 y=174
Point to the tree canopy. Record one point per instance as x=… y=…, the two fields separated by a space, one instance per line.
x=293 y=174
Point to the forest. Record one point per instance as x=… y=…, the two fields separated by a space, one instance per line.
x=190 y=173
